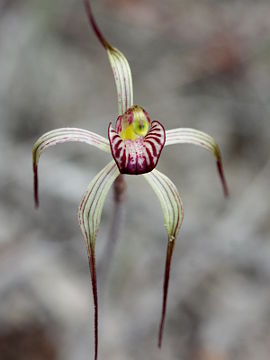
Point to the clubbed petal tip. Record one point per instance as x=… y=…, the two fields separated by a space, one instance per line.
x=140 y=156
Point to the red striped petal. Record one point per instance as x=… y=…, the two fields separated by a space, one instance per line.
x=141 y=155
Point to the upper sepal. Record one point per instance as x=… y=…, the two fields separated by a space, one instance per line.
x=140 y=156
x=120 y=66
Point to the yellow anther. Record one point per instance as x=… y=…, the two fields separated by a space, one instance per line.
x=135 y=123
x=128 y=133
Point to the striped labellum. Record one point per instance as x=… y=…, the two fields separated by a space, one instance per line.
x=135 y=149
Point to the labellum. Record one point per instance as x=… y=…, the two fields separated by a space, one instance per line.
x=135 y=149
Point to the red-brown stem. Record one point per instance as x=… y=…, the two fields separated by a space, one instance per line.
x=35 y=172
x=93 y=23
x=222 y=177
x=165 y=289
x=92 y=266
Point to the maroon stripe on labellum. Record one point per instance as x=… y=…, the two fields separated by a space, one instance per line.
x=117 y=152
x=118 y=147
x=154 y=148
x=150 y=158
x=117 y=141
x=115 y=137
x=123 y=159
x=154 y=137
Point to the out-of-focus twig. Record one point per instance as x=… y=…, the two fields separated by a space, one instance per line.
x=116 y=226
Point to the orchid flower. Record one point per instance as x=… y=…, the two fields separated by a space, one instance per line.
x=135 y=144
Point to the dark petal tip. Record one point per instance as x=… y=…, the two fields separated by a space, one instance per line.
x=36 y=198
x=222 y=178
x=165 y=290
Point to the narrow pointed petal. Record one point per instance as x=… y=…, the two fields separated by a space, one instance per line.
x=59 y=136
x=91 y=205
x=172 y=209
x=89 y=216
x=119 y=64
x=196 y=137
x=138 y=156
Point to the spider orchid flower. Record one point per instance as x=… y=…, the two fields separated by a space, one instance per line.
x=135 y=144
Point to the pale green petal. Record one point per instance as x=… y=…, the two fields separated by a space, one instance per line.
x=89 y=216
x=192 y=136
x=172 y=209
x=91 y=205
x=63 y=135
x=196 y=137
x=170 y=201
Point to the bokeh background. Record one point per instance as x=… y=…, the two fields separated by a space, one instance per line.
x=202 y=64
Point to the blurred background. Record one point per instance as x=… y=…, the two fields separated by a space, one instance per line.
x=201 y=64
